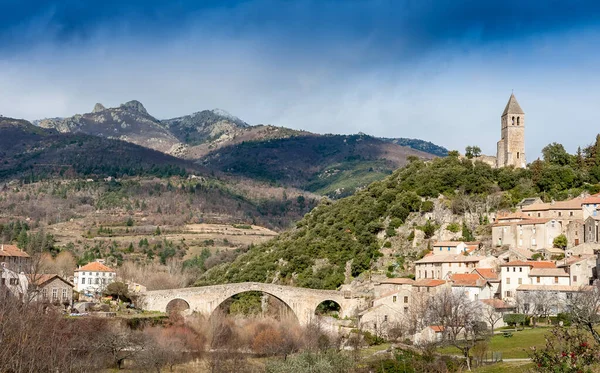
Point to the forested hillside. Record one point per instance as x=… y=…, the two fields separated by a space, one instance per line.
x=344 y=238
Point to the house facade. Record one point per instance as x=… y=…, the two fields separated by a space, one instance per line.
x=92 y=278
x=51 y=288
x=517 y=273
x=15 y=259
x=532 y=234
x=449 y=248
x=441 y=266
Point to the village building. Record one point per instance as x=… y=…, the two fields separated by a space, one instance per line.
x=471 y=285
x=558 y=297
x=492 y=276
x=532 y=234
x=391 y=284
x=441 y=266
x=430 y=334
x=13 y=282
x=92 y=278
x=449 y=248
x=590 y=229
x=15 y=259
x=591 y=205
x=514 y=274
x=581 y=269
x=51 y=288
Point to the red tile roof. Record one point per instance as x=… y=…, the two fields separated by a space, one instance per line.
x=487 y=273
x=428 y=282
x=437 y=328
x=595 y=199
x=12 y=250
x=41 y=279
x=467 y=279
x=529 y=263
x=94 y=267
x=524 y=222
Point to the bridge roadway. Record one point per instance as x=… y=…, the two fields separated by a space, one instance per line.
x=206 y=299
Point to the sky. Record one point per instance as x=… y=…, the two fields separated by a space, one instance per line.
x=440 y=71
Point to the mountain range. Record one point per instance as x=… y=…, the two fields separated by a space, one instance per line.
x=217 y=141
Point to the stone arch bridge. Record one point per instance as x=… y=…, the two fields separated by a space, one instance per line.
x=206 y=299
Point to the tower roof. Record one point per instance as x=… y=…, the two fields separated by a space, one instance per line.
x=512 y=106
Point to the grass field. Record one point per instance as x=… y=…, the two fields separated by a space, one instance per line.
x=515 y=347
x=515 y=366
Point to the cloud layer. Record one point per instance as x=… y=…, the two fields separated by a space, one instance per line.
x=441 y=71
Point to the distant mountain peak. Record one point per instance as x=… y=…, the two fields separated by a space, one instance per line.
x=98 y=108
x=135 y=105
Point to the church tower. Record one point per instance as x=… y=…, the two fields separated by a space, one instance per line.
x=511 y=147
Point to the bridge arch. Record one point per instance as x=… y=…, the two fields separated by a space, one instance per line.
x=178 y=305
x=289 y=311
x=328 y=307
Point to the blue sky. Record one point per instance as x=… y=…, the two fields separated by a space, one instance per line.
x=436 y=70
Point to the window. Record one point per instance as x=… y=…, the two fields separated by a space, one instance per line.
x=508 y=294
x=89 y=281
x=476 y=296
x=539 y=214
x=520 y=269
x=405 y=309
x=385 y=318
x=574 y=278
x=520 y=281
x=556 y=279
x=569 y=296
x=513 y=121
x=83 y=280
x=514 y=269
x=3 y=282
x=13 y=281
x=97 y=280
x=518 y=155
x=518 y=121
x=537 y=279
x=405 y=299
x=103 y=281
x=508 y=280
x=394 y=299
x=570 y=213
x=64 y=294
x=45 y=293
x=54 y=294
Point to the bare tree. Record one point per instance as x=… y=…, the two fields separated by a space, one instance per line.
x=491 y=315
x=584 y=306
x=459 y=318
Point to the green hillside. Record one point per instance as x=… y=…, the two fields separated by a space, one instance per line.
x=315 y=254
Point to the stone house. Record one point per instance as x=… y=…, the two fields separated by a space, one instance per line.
x=533 y=234
x=92 y=278
x=15 y=259
x=441 y=266
x=430 y=334
x=51 y=288
x=392 y=284
x=380 y=319
x=590 y=229
x=581 y=269
x=492 y=276
x=564 y=211
x=430 y=286
x=548 y=276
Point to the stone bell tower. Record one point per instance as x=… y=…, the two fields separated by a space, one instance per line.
x=511 y=147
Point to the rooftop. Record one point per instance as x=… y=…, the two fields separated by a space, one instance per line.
x=489 y=274
x=529 y=263
x=447 y=243
x=548 y=272
x=44 y=278
x=524 y=222
x=512 y=107
x=563 y=288
x=12 y=250
x=460 y=258
x=467 y=279
x=428 y=282
x=398 y=281
x=94 y=267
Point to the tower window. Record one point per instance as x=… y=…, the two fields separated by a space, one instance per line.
x=518 y=121
x=518 y=154
x=513 y=121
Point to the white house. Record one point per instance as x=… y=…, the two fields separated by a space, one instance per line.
x=516 y=273
x=590 y=206
x=471 y=285
x=441 y=266
x=16 y=283
x=449 y=248
x=92 y=278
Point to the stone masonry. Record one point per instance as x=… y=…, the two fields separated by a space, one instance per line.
x=206 y=299
x=511 y=147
